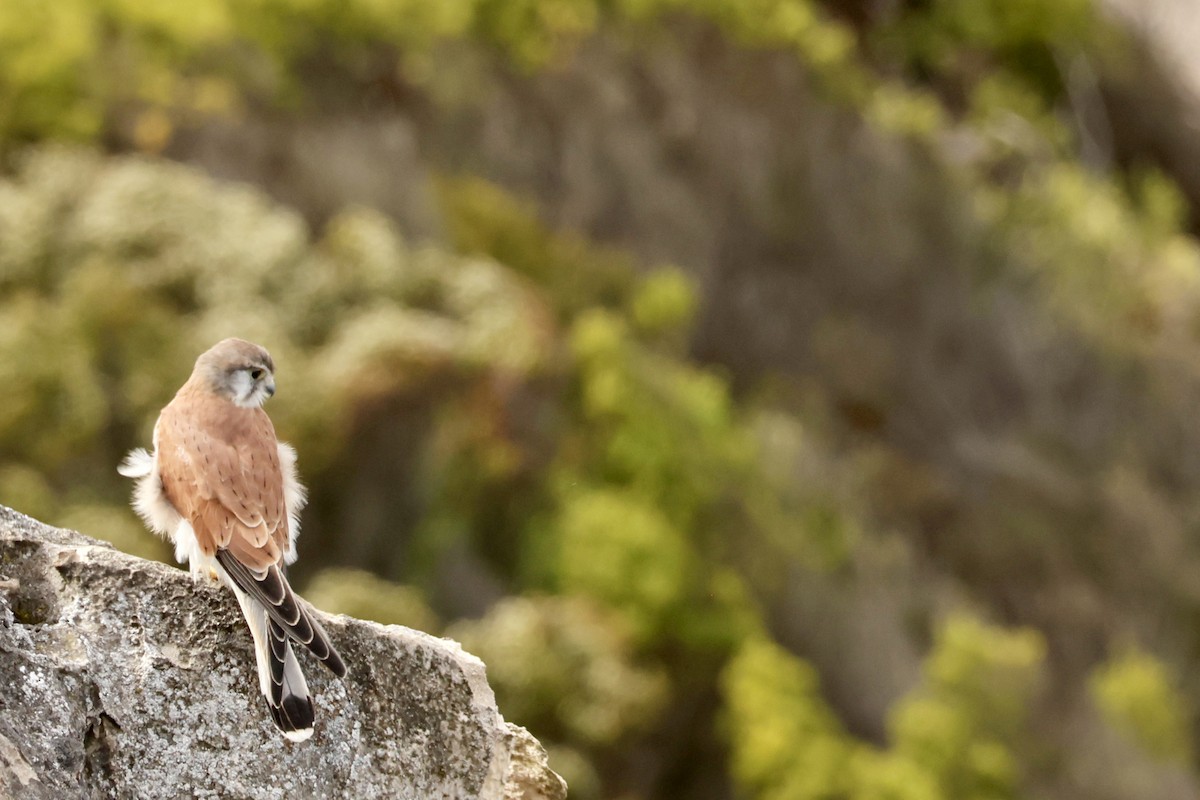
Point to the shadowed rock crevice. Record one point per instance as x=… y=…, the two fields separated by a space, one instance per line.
x=99 y=743
x=125 y=678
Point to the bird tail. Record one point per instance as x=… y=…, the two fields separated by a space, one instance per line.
x=279 y=677
x=269 y=588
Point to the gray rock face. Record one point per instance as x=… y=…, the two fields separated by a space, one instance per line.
x=121 y=677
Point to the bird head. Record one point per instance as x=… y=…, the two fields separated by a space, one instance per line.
x=240 y=371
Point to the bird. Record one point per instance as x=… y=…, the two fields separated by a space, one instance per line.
x=225 y=492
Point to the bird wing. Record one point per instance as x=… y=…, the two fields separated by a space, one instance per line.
x=220 y=468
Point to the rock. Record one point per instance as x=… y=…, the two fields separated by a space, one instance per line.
x=121 y=677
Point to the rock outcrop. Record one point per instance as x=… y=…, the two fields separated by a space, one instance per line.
x=121 y=677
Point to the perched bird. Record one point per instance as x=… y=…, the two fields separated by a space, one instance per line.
x=225 y=492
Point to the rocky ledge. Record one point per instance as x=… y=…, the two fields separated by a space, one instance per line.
x=121 y=677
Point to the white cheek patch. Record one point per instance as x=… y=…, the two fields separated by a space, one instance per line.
x=247 y=393
x=242 y=387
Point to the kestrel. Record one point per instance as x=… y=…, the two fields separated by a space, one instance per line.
x=224 y=491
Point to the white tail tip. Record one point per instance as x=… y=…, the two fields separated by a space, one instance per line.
x=298 y=736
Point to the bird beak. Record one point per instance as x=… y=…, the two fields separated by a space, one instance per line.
x=270 y=387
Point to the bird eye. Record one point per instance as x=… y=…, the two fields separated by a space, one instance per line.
x=256 y=373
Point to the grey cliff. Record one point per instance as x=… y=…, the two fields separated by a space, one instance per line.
x=121 y=677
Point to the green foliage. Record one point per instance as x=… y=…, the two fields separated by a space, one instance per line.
x=1138 y=696
x=794 y=24
x=55 y=406
x=966 y=723
x=576 y=274
x=656 y=483
x=65 y=67
x=956 y=736
x=661 y=428
x=180 y=262
x=1003 y=57
x=564 y=667
x=1008 y=70
x=625 y=553
x=45 y=52
x=162 y=67
x=1121 y=275
x=533 y=32
x=664 y=304
x=409 y=23
x=942 y=31
x=890 y=775
x=75 y=68
x=358 y=593
x=786 y=743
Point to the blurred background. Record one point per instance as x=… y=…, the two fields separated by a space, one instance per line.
x=785 y=398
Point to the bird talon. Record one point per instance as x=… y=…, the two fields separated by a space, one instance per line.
x=205 y=575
